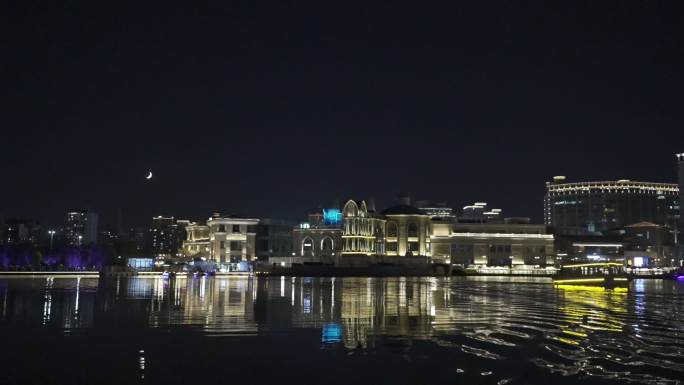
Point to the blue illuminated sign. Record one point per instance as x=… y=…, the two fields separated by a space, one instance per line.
x=332 y=216
x=332 y=333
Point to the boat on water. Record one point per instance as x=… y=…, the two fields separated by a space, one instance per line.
x=678 y=274
x=608 y=275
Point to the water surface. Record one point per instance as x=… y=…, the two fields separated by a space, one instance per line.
x=284 y=330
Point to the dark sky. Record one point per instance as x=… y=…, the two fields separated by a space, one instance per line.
x=270 y=109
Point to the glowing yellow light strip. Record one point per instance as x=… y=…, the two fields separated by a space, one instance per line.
x=580 y=280
x=496 y=235
x=595 y=264
x=592 y=288
x=573 y=333
x=565 y=340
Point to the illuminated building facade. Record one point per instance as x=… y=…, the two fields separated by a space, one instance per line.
x=479 y=213
x=649 y=245
x=317 y=244
x=196 y=243
x=363 y=230
x=81 y=228
x=492 y=244
x=318 y=240
x=600 y=206
x=407 y=230
x=679 y=235
x=436 y=210
x=231 y=240
x=590 y=248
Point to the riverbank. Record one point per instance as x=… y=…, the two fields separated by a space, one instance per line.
x=378 y=270
x=435 y=270
x=44 y=274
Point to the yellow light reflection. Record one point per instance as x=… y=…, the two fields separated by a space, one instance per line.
x=590 y=309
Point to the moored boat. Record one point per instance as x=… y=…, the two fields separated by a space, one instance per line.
x=609 y=275
x=678 y=274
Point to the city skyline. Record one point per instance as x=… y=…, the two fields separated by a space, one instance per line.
x=117 y=217
x=342 y=193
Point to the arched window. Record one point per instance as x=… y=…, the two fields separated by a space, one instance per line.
x=327 y=246
x=307 y=247
x=378 y=233
x=350 y=209
x=412 y=230
x=392 y=229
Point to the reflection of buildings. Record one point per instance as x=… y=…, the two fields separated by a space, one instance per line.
x=389 y=307
x=219 y=306
x=352 y=311
x=62 y=302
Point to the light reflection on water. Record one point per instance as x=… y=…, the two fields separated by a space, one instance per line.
x=501 y=323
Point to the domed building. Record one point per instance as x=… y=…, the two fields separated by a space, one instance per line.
x=407 y=230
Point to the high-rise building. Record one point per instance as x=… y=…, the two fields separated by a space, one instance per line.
x=436 y=210
x=601 y=206
x=20 y=231
x=679 y=237
x=478 y=213
x=81 y=228
x=166 y=236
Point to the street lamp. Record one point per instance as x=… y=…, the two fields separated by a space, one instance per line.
x=52 y=235
x=80 y=238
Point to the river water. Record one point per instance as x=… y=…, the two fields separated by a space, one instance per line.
x=284 y=330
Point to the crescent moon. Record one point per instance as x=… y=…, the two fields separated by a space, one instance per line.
x=149 y=176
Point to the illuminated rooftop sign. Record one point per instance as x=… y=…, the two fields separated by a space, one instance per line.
x=332 y=216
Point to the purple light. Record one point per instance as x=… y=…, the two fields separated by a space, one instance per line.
x=680 y=278
x=71 y=258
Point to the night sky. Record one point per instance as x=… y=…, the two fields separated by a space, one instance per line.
x=270 y=109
